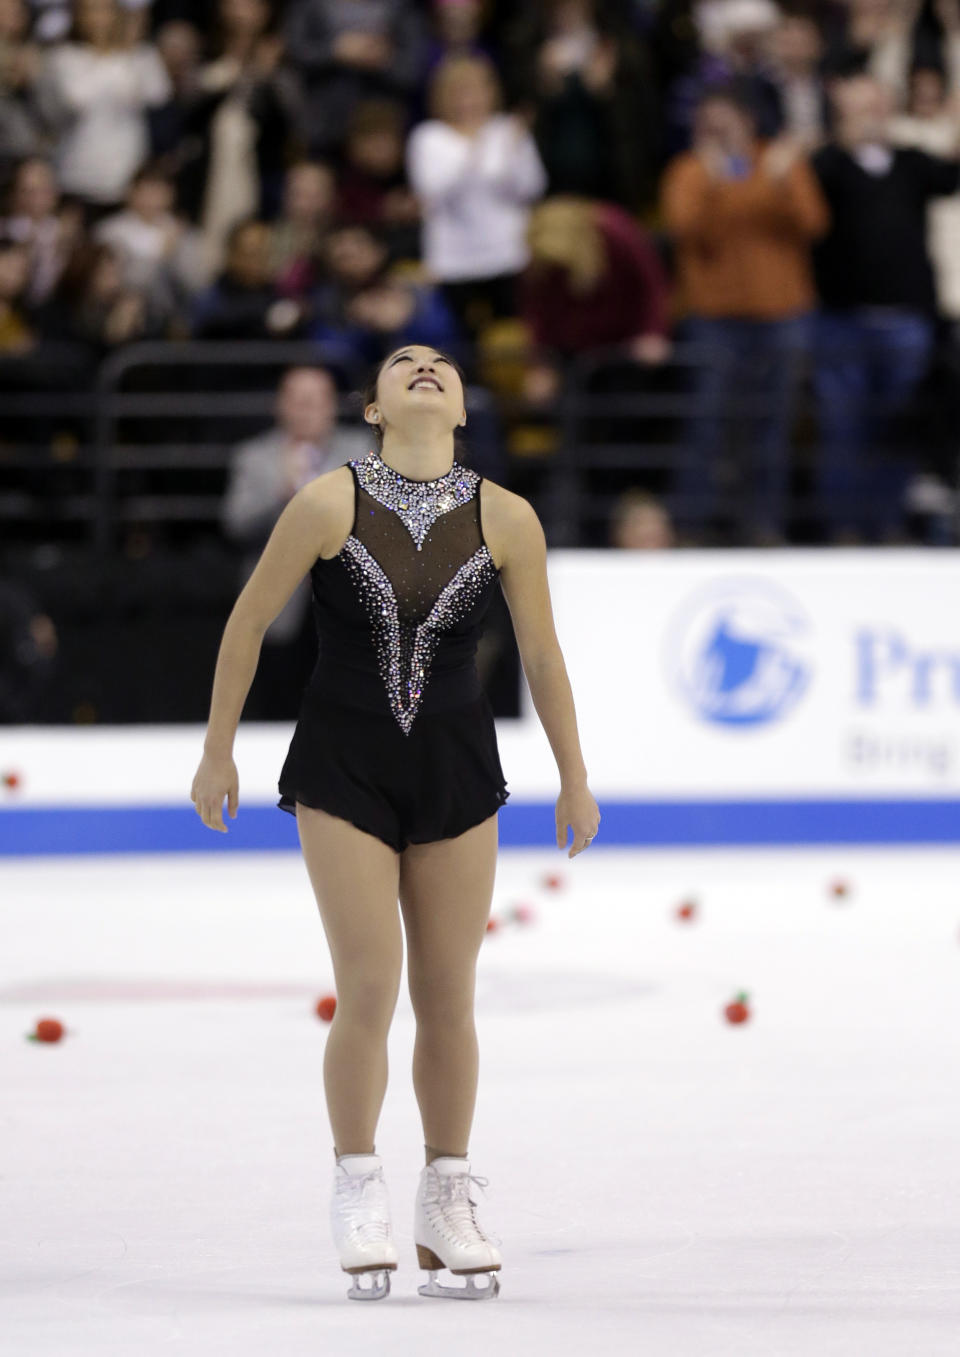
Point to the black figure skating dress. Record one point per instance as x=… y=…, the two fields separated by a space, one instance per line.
x=395 y=732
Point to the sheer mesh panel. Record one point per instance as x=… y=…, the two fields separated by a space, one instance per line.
x=417 y=577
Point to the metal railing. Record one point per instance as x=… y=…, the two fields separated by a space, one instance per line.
x=150 y=440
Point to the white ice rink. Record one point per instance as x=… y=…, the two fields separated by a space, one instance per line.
x=661 y=1182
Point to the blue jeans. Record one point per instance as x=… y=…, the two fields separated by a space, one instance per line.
x=763 y=361
x=867 y=366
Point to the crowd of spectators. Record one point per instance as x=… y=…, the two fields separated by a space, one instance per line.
x=774 y=185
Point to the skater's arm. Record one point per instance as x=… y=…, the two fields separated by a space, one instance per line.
x=307 y=528
x=314 y=523
x=523 y=576
x=514 y=530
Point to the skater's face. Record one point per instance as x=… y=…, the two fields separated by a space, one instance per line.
x=417 y=384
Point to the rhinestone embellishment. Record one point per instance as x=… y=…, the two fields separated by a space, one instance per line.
x=418 y=504
x=405 y=650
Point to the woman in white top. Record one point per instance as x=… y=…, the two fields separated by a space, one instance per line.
x=94 y=91
x=475 y=172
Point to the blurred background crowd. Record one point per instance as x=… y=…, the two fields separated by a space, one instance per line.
x=700 y=263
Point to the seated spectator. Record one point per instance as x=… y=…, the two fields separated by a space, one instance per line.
x=640 y=522
x=20 y=131
x=875 y=330
x=95 y=91
x=743 y=216
x=244 y=302
x=38 y=349
x=29 y=646
x=159 y=254
x=594 y=279
x=796 y=48
x=348 y=52
x=92 y=306
x=364 y=310
x=34 y=220
x=475 y=171
x=244 y=119
x=264 y=474
x=586 y=77
x=309 y=198
x=372 y=183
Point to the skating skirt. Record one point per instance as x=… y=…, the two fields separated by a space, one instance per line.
x=438 y=781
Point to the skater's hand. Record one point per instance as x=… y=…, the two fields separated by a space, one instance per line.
x=215 y=779
x=577 y=811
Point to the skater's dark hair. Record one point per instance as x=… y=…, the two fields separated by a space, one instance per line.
x=369 y=392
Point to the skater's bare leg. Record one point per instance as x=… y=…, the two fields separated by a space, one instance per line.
x=446 y=889
x=355 y=877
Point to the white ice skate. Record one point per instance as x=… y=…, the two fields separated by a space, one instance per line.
x=446 y=1232
x=360 y=1221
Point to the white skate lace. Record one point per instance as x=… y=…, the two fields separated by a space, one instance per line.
x=352 y=1191
x=458 y=1208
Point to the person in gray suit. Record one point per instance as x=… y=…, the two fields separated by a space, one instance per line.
x=264 y=474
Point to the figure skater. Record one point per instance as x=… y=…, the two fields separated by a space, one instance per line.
x=394 y=777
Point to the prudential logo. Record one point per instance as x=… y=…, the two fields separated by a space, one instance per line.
x=737 y=652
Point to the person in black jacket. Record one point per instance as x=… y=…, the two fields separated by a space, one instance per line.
x=875 y=330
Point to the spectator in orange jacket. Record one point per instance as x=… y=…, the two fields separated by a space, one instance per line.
x=743 y=216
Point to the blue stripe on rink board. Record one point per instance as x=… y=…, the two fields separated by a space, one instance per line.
x=526 y=824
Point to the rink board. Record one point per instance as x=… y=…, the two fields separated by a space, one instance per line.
x=742 y=697
x=153 y=829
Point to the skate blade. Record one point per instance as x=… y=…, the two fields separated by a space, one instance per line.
x=379 y=1283
x=469 y=1292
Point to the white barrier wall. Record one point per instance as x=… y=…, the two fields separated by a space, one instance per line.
x=765 y=672
x=818 y=680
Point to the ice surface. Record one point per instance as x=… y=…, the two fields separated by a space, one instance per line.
x=662 y=1182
